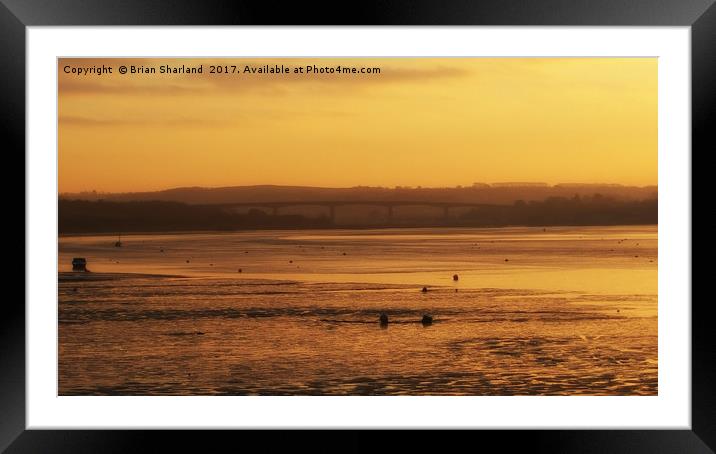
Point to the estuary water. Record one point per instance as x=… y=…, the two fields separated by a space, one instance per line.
x=555 y=311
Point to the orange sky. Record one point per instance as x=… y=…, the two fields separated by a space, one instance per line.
x=428 y=122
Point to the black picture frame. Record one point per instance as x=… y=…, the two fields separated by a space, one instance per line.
x=16 y=15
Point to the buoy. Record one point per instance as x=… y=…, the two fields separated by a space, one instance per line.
x=187 y=261
x=455 y=277
x=290 y=261
x=427 y=320
x=507 y=260
x=383 y=319
x=240 y=270
x=425 y=290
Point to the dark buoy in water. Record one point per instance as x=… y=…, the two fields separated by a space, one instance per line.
x=241 y=270
x=455 y=277
x=187 y=261
x=345 y=253
x=383 y=319
x=290 y=261
x=507 y=260
x=161 y=250
x=427 y=320
x=424 y=290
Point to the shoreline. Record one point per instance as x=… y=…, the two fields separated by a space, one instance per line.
x=342 y=227
x=79 y=276
x=75 y=276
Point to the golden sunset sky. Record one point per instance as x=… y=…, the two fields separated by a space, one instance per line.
x=423 y=121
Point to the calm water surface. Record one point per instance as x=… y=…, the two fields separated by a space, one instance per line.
x=555 y=311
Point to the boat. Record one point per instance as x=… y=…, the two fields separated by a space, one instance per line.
x=79 y=264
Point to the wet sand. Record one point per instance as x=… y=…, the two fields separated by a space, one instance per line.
x=573 y=312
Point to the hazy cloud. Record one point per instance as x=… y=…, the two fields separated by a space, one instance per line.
x=72 y=120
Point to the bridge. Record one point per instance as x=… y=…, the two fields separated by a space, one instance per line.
x=331 y=205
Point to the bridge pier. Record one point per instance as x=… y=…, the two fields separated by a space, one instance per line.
x=332 y=213
x=331 y=206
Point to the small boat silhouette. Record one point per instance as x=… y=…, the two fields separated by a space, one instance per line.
x=79 y=264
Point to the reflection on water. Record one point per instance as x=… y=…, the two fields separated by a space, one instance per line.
x=555 y=311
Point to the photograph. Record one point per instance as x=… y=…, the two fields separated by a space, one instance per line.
x=357 y=226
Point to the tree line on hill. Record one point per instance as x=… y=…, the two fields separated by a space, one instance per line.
x=479 y=193
x=592 y=210
x=83 y=216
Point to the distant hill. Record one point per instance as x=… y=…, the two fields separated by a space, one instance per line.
x=499 y=193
